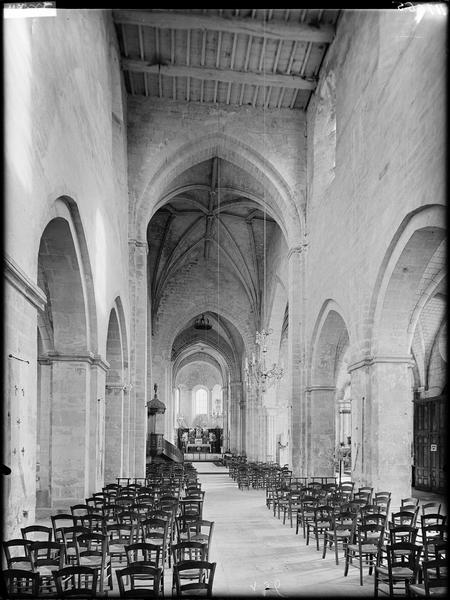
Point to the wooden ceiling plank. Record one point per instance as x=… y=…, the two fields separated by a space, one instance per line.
x=224 y=75
x=141 y=43
x=280 y=97
x=294 y=98
x=242 y=94
x=287 y=30
x=291 y=58
x=247 y=55
x=124 y=40
x=255 y=95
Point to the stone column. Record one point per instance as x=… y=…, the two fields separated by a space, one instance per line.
x=235 y=419
x=297 y=359
x=226 y=418
x=114 y=431
x=242 y=427
x=382 y=424
x=138 y=356
x=271 y=449
x=321 y=431
x=74 y=426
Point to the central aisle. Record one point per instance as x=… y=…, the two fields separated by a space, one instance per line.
x=255 y=551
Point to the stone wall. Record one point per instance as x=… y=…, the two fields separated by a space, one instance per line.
x=65 y=138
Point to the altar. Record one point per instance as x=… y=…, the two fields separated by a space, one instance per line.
x=200 y=440
x=198 y=447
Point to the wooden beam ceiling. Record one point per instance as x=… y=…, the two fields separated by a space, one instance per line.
x=287 y=31
x=295 y=82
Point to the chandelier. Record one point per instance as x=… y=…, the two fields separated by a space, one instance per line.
x=202 y=323
x=256 y=371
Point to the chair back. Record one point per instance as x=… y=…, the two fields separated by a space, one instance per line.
x=44 y=554
x=60 y=521
x=139 y=581
x=194 y=577
x=37 y=533
x=21 y=583
x=76 y=582
x=18 y=553
x=188 y=551
x=144 y=553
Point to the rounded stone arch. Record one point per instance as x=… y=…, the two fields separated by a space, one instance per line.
x=329 y=344
x=413 y=261
x=216 y=360
x=279 y=301
x=67 y=353
x=280 y=202
x=329 y=341
x=66 y=209
x=176 y=326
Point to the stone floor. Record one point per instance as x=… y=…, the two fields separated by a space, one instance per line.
x=257 y=555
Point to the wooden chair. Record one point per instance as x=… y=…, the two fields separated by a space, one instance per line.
x=194 y=577
x=76 y=581
x=139 y=581
x=79 y=509
x=401 y=569
x=308 y=503
x=156 y=531
x=18 y=554
x=201 y=531
x=365 y=549
x=69 y=535
x=187 y=551
x=60 y=521
x=435 y=580
x=47 y=557
x=322 y=521
x=119 y=536
x=340 y=533
x=20 y=583
x=93 y=552
x=37 y=533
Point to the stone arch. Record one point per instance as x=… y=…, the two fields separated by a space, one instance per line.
x=280 y=202
x=330 y=337
x=330 y=342
x=65 y=208
x=114 y=401
x=413 y=260
x=66 y=361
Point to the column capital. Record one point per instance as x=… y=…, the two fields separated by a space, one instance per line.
x=138 y=243
x=297 y=249
x=95 y=360
x=368 y=361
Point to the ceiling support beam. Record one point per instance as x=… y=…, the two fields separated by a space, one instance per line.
x=300 y=32
x=293 y=82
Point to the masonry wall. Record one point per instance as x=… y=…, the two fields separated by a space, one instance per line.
x=62 y=85
x=390 y=114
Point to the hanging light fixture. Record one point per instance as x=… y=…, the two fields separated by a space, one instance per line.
x=202 y=323
x=256 y=371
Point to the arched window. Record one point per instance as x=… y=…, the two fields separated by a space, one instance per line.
x=201 y=402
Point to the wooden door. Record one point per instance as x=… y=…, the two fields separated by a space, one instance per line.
x=429 y=443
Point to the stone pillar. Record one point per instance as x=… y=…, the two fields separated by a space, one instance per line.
x=242 y=427
x=226 y=419
x=271 y=444
x=138 y=356
x=297 y=359
x=321 y=431
x=382 y=424
x=70 y=420
x=235 y=418
x=114 y=431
